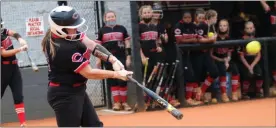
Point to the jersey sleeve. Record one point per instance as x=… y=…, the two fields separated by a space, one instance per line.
x=202 y=30
x=125 y=33
x=177 y=31
x=4 y=32
x=161 y=29
x=99 y=37
x=205 y=29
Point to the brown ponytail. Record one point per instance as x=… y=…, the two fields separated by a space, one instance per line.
x=44 y=42
x=209 y=14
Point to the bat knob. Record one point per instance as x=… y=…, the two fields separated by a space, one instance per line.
x=177 y=114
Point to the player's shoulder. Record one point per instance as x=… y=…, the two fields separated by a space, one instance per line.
x=4 y=31
x=178 y=24
x=121 y=27
x=203 y=24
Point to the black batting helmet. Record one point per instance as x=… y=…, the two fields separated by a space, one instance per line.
x=63 y=17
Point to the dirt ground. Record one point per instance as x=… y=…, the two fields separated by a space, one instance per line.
x=247 y=113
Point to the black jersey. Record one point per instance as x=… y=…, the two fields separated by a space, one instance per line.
x=148 y=37
x=202 y=29
x=6 y=44
x=113 y=39
x=70 y=58
x=222 y=52
x=161 y=29
x=185 y=30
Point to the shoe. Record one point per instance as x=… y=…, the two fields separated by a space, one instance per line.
x=260 y=94
x=235 y=96
x=23 y=125
x=224 y=97
x=174 y=103
x=126 y=107
x=245 y=96
x=207 y=97
x=193 y=102
x=199 y=94
x=117 y=106
x=274 y=92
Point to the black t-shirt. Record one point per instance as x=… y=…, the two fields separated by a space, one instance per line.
x=202 y=32
x=113 y=39
x=6 y=44
x=222 y=52
x=185 y=30
x=161 y=29
x=70 y=58
x=148 y=36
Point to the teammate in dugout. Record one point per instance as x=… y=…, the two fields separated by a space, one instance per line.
x=185 y=33
x=167 y=55
x=156 y=20
x=250 y=67
x=10 y=72
x=115 y=38
x=149 y=38
x=271 y=50
x=68 y=51
x=222 y=57
x=201 y=59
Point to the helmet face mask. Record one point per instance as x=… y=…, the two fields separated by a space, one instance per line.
x=157 y=14
x=157 y=11
x=65 y=17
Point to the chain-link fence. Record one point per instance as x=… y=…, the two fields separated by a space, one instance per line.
x=16 y=12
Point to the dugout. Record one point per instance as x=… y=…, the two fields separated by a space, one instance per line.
x=172 y=11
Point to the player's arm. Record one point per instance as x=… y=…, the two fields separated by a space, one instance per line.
x=8 y=53
x=180 y=39
x=99 y=41
x=127 y=44
x=229 y=54
x=265 y=5
x=17 y=36
x=164 y=37
x=256 y=60
x=90 y=73
x=158 y=42
x=244 y=60
x=102 y=53
x=215 y=57
x=98 y=50
x=86 y=71
x=205 y=39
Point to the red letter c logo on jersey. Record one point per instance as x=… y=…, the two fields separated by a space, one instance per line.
x=77 y=57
